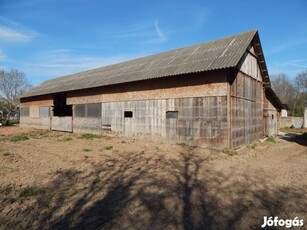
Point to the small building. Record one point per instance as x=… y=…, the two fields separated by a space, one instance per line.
x=216 y=93
x=284 y=113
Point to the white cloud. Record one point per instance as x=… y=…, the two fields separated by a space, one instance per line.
x=10 y=35
x=159 y=32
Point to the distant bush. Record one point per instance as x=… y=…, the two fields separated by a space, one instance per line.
x=21 y=137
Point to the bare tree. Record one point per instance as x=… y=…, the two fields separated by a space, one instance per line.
x=301 y=81
x=12 y=84
x=291 y=92
x=301 y=87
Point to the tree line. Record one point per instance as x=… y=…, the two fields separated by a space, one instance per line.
x=292 y=92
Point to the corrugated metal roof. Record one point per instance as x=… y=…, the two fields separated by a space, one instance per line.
x=217 y=54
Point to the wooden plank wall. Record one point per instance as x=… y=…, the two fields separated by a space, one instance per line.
x=201 y=120
x=246 y=110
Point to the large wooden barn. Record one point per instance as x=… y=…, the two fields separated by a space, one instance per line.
x=216 y=93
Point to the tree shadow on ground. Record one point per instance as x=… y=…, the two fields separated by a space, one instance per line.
x=297 y=138
x=131 y=191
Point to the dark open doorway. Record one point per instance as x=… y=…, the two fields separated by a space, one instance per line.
x=60 y=108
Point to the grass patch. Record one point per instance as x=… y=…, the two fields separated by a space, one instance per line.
x=229 y=152
x=6 y=154
x=21 y=137
x=123 y=142
x=108 y=147
x=87 y=150
x=271 y=139
x=89 y=136
x=181 y=144
x=253 y=146
x=30 y=191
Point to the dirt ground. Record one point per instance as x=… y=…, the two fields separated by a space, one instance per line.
x=115 y=182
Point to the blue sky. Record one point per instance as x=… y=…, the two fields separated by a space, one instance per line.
x=51 y=38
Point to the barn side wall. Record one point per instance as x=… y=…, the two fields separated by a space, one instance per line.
x=35 y=118
x=271 y=118
x=189 y=85
x=201 y=120
x=200 y=101
x=246 y=103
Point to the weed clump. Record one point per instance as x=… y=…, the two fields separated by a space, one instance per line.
x=181 y=144
x=6 y=154
x=21 y=137
x=108 y=147
x=89 y=136
x=253 y=146
x=87 y=150
x=229 y=152
x=271 y=139
x=30 y=191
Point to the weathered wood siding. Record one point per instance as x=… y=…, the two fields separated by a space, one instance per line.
x=201 y=120
x=271 y=118
x=246 y=104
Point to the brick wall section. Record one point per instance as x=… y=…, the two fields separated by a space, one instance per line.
x=192 y=85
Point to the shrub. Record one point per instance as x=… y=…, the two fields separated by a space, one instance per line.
x=21 y=137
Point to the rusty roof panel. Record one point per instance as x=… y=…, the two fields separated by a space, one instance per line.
x=218 y=54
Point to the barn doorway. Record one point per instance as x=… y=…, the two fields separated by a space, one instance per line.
x=60 y=107
x=62 y=114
